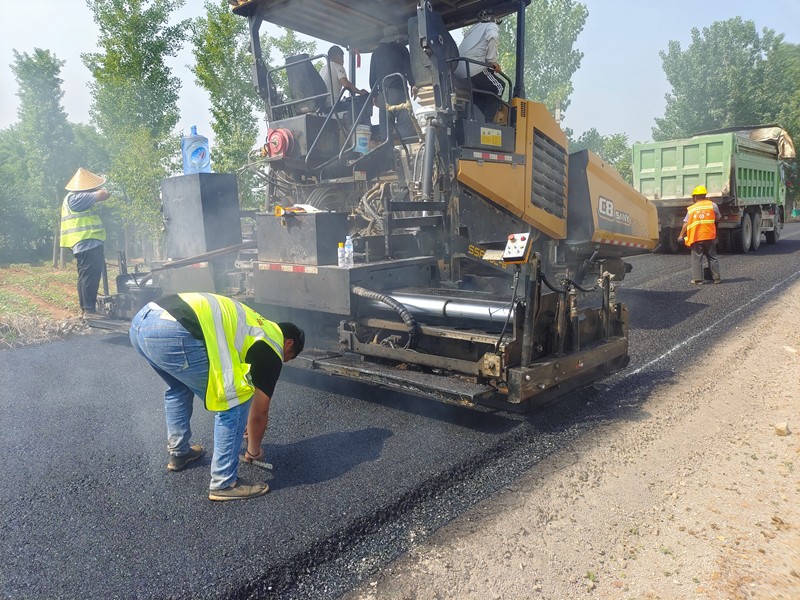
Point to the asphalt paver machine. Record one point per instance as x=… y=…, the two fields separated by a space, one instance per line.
x=486 y=255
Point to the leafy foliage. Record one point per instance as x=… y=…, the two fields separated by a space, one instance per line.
x=44 y=159
x=135 y=98
x=614 y=149
x=551 y=31
x=728 y=76
x=17 y=237
x=223 y=68
x=720 y=80
x=221 y=51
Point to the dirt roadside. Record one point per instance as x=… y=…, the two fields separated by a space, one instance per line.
x=699 y=499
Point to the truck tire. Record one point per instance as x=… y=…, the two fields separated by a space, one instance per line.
x=775 y=235
x=724 y=241
x=742 y=236
x=671 y=243
x=756 y=244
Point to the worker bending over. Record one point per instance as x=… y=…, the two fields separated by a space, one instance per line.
x=224 y=352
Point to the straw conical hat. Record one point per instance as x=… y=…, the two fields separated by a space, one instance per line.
x=84 y=180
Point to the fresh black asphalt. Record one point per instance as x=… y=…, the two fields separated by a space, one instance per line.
x=90 y=511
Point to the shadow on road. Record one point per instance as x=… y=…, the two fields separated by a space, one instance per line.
x=782 y=247
x=325 y=457
x=480 y=419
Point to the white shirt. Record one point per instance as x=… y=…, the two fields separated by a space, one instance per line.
x=479 y=44
x=337 y=72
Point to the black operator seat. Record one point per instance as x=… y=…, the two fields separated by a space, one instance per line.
x=306 y=82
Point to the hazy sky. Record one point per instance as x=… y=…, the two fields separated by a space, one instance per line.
x=619 y=87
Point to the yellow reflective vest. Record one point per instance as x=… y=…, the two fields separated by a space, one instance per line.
x=230 y=329
x=79 y=226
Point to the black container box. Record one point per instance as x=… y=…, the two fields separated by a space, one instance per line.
x=301 y=238
x=201 y=213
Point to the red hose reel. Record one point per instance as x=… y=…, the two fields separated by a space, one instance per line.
x=280 y=142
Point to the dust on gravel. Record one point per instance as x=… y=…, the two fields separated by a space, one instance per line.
x=698 y=498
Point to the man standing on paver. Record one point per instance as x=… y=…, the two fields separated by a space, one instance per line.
x=699 y=232
x=230 y=356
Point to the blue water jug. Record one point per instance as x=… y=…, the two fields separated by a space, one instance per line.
x=196 y=154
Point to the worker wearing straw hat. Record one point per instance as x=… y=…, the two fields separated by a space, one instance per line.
x=83 y=231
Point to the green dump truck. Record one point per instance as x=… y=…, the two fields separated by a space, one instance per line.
x=743 y=170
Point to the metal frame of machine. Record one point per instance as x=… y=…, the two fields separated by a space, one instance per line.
x=472 y=243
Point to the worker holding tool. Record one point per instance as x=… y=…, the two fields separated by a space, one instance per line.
x=224 y=352
x=699 y=232
x=82 y=230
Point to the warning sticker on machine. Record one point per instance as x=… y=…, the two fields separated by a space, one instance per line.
x=491 y=137
x=288 y=268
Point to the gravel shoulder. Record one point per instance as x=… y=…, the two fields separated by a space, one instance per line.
x=697 y=498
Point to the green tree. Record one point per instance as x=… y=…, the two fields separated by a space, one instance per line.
x=221 y=48
x=135 y=99
x=16 y=226
x=783 y=74
x=614 y=149
x=719 y=80
x=45 y=139
x=222 y=67
x=551 y=30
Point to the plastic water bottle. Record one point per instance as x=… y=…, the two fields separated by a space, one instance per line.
x=342 y=259
x=348 y=252
x=196 y=154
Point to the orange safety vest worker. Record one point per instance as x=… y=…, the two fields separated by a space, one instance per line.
x=701 y=224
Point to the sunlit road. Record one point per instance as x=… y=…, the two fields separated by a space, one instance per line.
x=90 y=511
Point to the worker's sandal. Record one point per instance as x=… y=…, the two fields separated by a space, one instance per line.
x=178 y=463
x=241 y=490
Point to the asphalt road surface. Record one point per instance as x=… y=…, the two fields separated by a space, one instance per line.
x=90 y=511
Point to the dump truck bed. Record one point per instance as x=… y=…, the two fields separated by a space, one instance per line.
x=733 y=168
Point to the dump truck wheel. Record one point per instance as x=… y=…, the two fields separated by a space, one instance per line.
x=756 y=244
x=724 y=241
x=671 y=243
x=775 y=235
x=742 y=236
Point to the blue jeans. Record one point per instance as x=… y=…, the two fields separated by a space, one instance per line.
x=182 y=362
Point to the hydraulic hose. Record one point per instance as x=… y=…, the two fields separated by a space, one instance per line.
x=402 y=312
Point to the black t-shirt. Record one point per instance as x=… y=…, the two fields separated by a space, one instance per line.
x=265 y=364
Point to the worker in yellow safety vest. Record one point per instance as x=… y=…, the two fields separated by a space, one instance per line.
x=699 y=232
x=83 y=231
x=225 y=353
